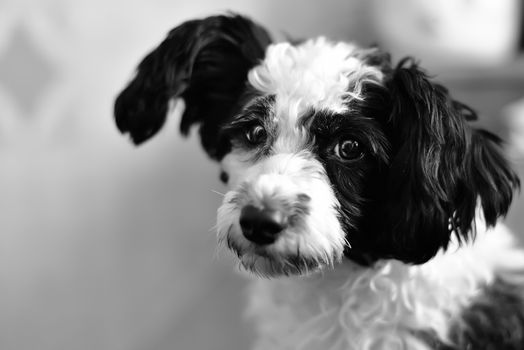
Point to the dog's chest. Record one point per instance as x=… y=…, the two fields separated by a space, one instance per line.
x=335 y=312
x=389 y=306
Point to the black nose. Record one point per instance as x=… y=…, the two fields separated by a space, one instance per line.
x=259 y=225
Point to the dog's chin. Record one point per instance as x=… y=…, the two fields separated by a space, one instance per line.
x=264 y=262
x=266 y=266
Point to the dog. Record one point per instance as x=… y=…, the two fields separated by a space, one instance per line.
x=360 y=193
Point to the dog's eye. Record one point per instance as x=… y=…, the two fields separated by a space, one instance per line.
x=256 y=135
x=348 y=150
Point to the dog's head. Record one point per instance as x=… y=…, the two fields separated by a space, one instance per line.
x=326 y=148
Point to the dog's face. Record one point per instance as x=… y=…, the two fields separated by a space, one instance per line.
x=298 y=153
x=327 y=150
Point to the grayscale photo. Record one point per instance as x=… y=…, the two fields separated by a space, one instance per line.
x=261 y=175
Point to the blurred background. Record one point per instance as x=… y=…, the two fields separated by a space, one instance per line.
x=110 y=247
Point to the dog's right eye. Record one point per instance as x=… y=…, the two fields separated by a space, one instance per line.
x=256 y=135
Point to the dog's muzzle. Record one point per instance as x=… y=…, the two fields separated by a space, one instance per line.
x=281 y=216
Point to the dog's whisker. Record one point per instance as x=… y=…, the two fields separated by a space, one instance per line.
x=219 y=193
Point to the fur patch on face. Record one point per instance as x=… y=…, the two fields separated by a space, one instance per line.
x=317 y=73
x=295 y=186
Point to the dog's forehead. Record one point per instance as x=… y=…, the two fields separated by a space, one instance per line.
x=317 y=74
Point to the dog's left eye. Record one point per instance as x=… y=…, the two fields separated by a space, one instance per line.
x=348 y=150
x=256 y=135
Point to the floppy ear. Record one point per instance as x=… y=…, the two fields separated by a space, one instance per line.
x=440 y=170
x=203 y=61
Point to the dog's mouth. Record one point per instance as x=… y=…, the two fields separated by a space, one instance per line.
x=277 y=259
x=268 y=266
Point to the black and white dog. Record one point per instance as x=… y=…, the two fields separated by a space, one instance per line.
x=361 y=188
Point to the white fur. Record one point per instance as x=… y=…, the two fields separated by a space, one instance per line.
x=317 y=74
x=352 y=307
x=276 y=182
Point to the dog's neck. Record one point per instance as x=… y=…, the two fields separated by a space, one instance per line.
x=378 y=307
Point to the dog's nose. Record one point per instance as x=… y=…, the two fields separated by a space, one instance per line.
x=259 y=225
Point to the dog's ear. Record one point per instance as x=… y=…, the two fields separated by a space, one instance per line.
x=440 y=169
x=487 y=178
x=205 y=62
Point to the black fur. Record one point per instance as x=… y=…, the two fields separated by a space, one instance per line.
x=256 y=112
x=439 y=167
x=354 y=182
x=493 y=321
x=203 y=61
x=224 y=177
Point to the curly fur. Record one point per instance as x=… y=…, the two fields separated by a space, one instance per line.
x=388 y=306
